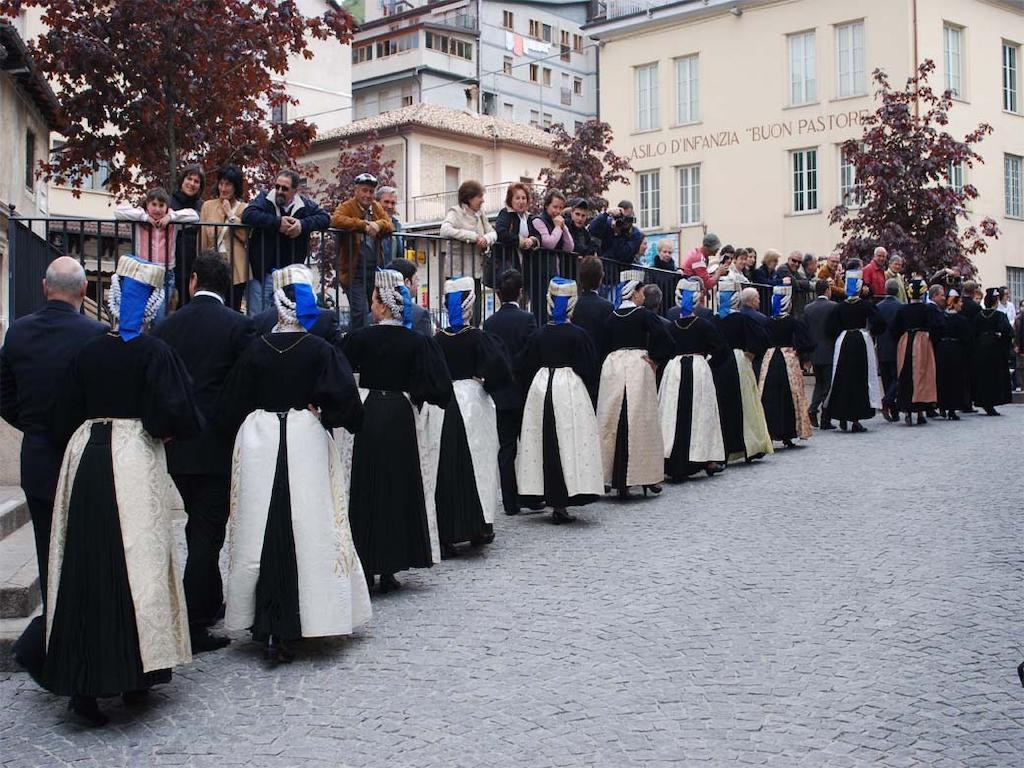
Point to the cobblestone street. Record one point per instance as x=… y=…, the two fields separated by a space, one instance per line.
x=856 y=601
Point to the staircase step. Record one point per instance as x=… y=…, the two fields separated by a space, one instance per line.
x=19 y=575
x=13 y=510
x=10 y=631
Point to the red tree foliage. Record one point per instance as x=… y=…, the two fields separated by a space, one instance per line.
x=583 y=164
x=148 y=85
x=903 y=164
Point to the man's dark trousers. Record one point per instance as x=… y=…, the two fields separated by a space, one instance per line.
x=207 y=503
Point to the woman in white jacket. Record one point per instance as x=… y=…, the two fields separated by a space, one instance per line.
x=467 y=223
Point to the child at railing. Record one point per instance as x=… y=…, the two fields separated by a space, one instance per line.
x=154 y=237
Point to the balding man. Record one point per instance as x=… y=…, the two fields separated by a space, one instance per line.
x=33 y=360
x=874 y=273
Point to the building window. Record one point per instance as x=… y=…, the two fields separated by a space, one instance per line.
x=649 y=184
x=508 y=20
x=362 y=53
x=508 y=111
x=1015 y=282
x=577 y=86
x=577 y=43
x=450 y=45
x=547 y=120
x=279 y=114
x=547 y=77
x=576 y=126
x=535 y=118
x=646 y=90
x=1012 y=185
x=952 y=53
x=545 y=33
x=564 y=47
x=850 y=59
x=407 y=101
x=803 y=84
x=535 y=28
x=687 y=90
x=689 y=194
x=1011 y=53
x=956 y=176
x=397 y=45
x=506 y=65
x=30 y=159
x=851 y=194
x=534 y=73
x=805 y=180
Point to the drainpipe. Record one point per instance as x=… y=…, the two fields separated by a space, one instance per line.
x=913 y=67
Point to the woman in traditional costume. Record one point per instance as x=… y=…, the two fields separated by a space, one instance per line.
x=467 y=474
x=856 y=391
x=559 y=461
x=993 y=342
x=953 y=359
x=294 y=572
x=914 y=325
x=783 y=396
x=627 y=401
x=116 y=621
x=743 y=423
x=687 y=400
x=394 y=466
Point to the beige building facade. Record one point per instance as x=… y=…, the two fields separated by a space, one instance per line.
x=733 y=112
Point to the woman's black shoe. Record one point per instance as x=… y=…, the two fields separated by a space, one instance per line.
x=654 y=489
x=203 y=641
x=921 y=419
x=858 y=427
x=134 y=698
x=952 y=416
x=277 y=652
x=87 y=709
x=560 y=516
x=623 y=493
x=713 y=468
x=447 y=552
x=388 y=582
x=990 y=411
x=842 y=426
x=788 y=443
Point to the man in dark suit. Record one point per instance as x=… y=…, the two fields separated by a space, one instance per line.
x=33 y=360
x=421 y=322
x=592 y=309
x=816 y=316
x=512 y=326
x=209 y=337
x=885 y=343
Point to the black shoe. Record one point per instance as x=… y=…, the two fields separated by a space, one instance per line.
x=511 y=512
x=134 y=698
x=654 y=489
x=788 y=443
x=277 y=652
x=921 y=419
x=713 y=468
x=990 y=411
x=388 y=582
x=825 y=424
x=203 y=641
x=538 y=506
x=87 y=709
x=952 y=416
x=814 y=418
x=560 y=516
x=932 y=413
x=968 y=410
x=447 y=553
x=623 y=493
x=858 y=427
x=842 y=426
x=482 y=540
x=908 y=420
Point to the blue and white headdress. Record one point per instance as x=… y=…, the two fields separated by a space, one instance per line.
x=303 y=309
x=854 y=280
x=561 y=299
x=727 y=291
x=687 y=293
x=459 y=295
x=394 y=295
x=782 y=300
x=629 y=281
x=136 y=294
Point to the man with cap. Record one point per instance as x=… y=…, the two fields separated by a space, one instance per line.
x=696 y=262
x=584 y=243
x=359 y=253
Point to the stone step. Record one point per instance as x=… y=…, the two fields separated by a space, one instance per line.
x=19 y=575
x=10 y=631
x=13 y=510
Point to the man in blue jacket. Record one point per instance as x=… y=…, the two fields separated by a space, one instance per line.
x=281 y=220
x=620 y=240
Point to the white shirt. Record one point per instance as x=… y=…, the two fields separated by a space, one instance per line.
x=1008 y=310
x=216 y=296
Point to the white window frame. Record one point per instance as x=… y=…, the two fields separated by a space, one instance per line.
x=1011 y=77
x=648 y=184
x=1013 y=170
x=645 y=79
x=850 y=79
x=953 y=58
x=957 y=175
x=687 y=89
x=689 y=194
x=804 y=180
x=851 y=194
x=803 y=79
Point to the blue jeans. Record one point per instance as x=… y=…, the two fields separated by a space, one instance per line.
x=359 y=301
x=259 y=295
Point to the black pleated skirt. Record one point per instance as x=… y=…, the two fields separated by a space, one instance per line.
x=952 y=371
x=678 y=464
x=730 y=405
x=620 y=459
x=277 y=589
x=848 y=399
x=991 y=372
x=94 y=642
x=459 y=514
x=387 y=509
x=777 y=400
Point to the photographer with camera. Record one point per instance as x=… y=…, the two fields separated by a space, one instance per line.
x=619 y=240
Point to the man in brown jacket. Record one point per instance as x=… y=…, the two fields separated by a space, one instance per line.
x=359 y=253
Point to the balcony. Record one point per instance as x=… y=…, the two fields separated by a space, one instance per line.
x=614 y=9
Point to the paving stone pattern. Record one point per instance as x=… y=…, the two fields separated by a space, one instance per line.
x=853 y=602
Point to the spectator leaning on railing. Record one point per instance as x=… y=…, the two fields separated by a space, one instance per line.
x=791 y=273
x=228 y=241
x=895 y=272
x=359 y=253
x=583 y=243
x=765 y=274
x=619 y=239
x=189 y=194
x=281 y=220
x=467 y=223
x=391 y=247
x=512 y=228
x=832 y=273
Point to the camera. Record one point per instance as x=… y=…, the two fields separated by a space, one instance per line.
x=623 y=221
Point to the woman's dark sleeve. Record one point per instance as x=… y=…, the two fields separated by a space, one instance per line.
x=718 y=348
x=526 y=364
x=336 y=394
x=876 y=323
x=351 y=347
x=491 y=364
x=503 y=226
x=660 y=347
x=431 y=381
x=236 y=400
x=802 y=341
x=169 y=406
x=585 y=364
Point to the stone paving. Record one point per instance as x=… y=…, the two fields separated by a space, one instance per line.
x=853 y=602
